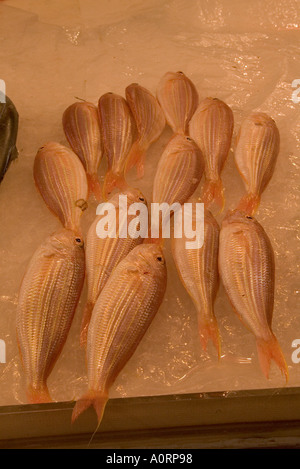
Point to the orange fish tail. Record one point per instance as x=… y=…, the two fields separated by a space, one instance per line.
x=94 y=186
x=213 y=194
x=38 y=395
x=209 y=330
x=270 y=350
x=113 y=181
x=94 y=399
x=87 y=314
x=136 y=158
x=249 y=203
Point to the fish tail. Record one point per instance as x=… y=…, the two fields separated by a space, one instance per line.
x=213 y=194
x=98 y=400
x=38 y=395
x=136 y=158
x=249 y=203
x=112 y=181
x=87 y=314
x=270 y=350
x=94 y=186
x=209 y=330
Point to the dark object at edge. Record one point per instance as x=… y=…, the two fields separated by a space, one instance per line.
x=9 y=121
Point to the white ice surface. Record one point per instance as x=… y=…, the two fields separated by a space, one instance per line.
x=246 y=53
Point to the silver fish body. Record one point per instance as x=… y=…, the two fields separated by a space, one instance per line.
x=256 y=153
x=103 y=254
x=198 y=270
x=122 y=314
x=247 y=270
x=150 y=123
x=178 y=98
x=178 y=173
x=211 y=127
x=116 y=125
x=61 y=180
x=48 y=298
x=82 y=129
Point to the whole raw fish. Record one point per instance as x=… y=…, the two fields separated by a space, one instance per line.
x=104 y=254
x=256 y=155
x=123 y=312
x=48 y=299
x=246 y=265
x=82 y=129
x=117 y=135
x=178 y=174
x=150 y=123
x=179 y=99
x=211 y=127
x=61 y=180
x=198 y=270
x=9 y=122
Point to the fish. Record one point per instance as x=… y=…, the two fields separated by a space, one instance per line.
x=82 y=129
x=117 y=130
x=61 y=180
x=48 y=298
x=179 y=172
x=104 y=254
x=150 y=123
x=198 y=270
x=247 y=271
x=257 y=149
x=179 y=100
x=123 y=312
x=211 y=127
x=9 y=125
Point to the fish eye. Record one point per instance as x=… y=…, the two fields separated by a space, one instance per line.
x=79 y=241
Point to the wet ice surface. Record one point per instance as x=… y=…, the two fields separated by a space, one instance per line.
x=246 y=54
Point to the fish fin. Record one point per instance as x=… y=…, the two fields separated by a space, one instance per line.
x=113 y=181
x=208 y=329
x=38 y=395
x=87 y=314
x=249 y=203
x=94 y=399
x=94 y=186
x=270 y=350
x=136 y=158
x=213 y=194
